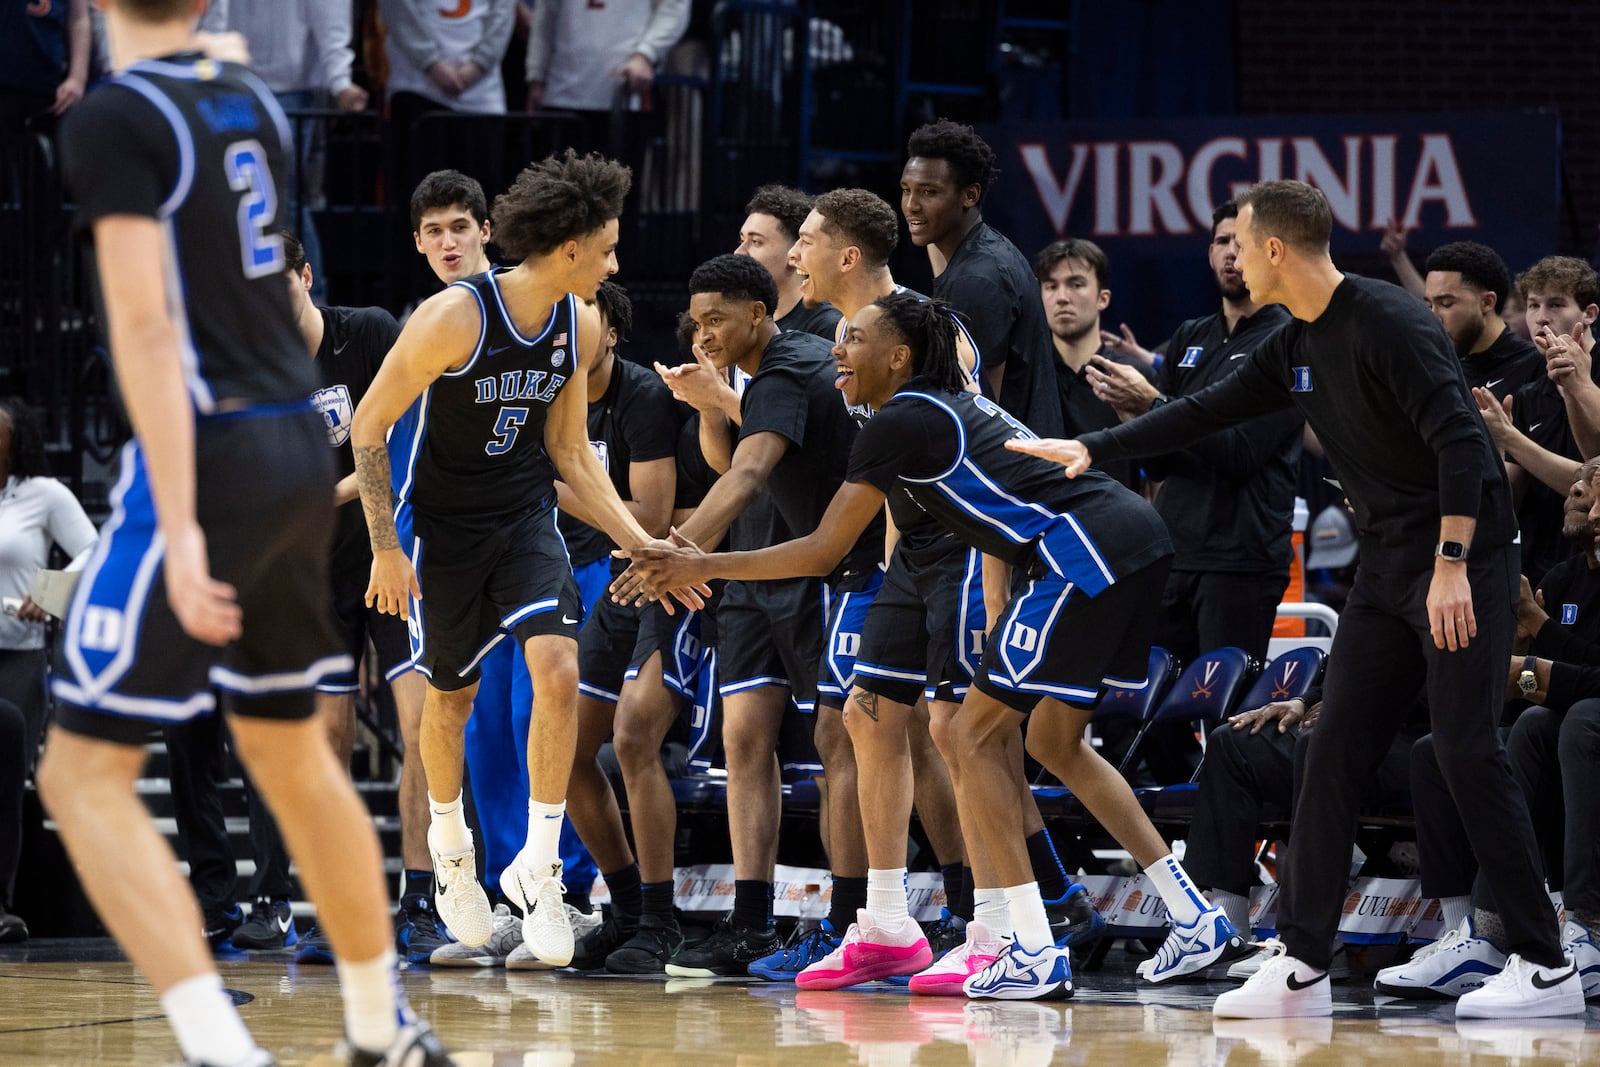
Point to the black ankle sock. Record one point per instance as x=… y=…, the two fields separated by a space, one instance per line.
x=752 y=903
x=580 y=901
x=968 y=892
x=656 y=899
x=1047 y=870
x=951 y=874
x=419 y=882
x=624 y=887
x=849 y=896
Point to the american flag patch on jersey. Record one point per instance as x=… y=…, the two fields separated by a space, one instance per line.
x=559 y=340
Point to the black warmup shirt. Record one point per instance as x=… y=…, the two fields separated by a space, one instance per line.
x=1538 y=410
x=477 y=455
x=1505 y=366
x=1082 y=412
x=792 y=395
x=1378 y=381
x=949 y=450
x=636 y=421
x=1572 y=600
x=990 y=282
x=1231 y=492
x=197 y=145
x=822 y=320
x=354 y=342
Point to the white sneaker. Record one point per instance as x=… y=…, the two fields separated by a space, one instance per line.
x=458 y=898
x=522 y=958
x=1525 y=990
x=546 y=930
x=1284 y=988
x=1338 y=966
x=1457 y=963
x=1579 y=943
x=492 y=953
x=1191 y=949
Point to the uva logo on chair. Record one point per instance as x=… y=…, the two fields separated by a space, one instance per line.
x=1280 y=687
x=1202 y=686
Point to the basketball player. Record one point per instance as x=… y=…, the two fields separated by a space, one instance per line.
x=212 y=572
x=489 y=358
x=1381 y=388
x=1091 y=561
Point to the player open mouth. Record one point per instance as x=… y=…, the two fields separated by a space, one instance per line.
x=844 y=375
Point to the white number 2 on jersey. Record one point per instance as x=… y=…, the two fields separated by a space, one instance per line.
x=246 y=163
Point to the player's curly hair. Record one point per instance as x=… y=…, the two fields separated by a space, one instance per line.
x=612 y=300
x=558 y=199
x=1480 y=267
x=1561 y=276
x=928 y=328
x=447 y=188
x=971 y=160
x=738 y=277
x=786 y=204
x=862 y=218
x=28 y=459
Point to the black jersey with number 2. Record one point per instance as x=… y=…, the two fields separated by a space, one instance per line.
x=477 y=453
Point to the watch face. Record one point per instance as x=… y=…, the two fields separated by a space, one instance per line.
x=1452 y=549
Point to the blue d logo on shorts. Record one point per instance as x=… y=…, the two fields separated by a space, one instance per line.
x=1191 y=356
x=1302 y=380
x=1569 y=614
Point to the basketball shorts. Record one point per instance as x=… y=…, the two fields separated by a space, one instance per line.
x=605 y=646
x=847 y=615
x=924 y=634
x=1056 y=641
x=126 y=662
x=356 y=624
x=770 y=634
x=678 y=637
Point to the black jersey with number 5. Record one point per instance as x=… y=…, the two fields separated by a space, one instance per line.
x=189 y=141
x=477 y=450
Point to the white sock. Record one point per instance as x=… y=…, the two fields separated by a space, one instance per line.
x=207 y=1024
x=1182 y=899
x=373 y=1005
x=544 y=833
x=447 y=830
x=886 y=897
x=1028 y=917
x=990 y=907
x=1455 y=910
x=1237 y=909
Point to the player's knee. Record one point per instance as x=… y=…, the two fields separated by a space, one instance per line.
x=635 y=743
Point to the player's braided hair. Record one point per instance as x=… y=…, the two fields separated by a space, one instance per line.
x=612 y=300
x=558 y=199
x=928 y=328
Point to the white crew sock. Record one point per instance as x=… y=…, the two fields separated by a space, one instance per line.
x=990 y=907
x=1455 y=910
x=447 y=829
x=207 y=1024
x=1182 y=899
x=1028 y=917
x=886 y=897
x=373 y=1005
x=1237 y=909
x=544 y=834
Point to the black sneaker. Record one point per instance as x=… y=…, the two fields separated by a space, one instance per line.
x=314 y=947
x=945 y=933
x=656 y=942
x=1074 y=922
x=416 y=929
x=728 y=952
x=271 y=926
x=219 y=928
x=13 y=930
x=592 y=949
x=416 y=1046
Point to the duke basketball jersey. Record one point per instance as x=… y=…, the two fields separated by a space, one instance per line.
x=476 y=451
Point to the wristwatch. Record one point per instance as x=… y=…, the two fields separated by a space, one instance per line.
x=1528 y=681
x=1158 y=400
x=1451 y=550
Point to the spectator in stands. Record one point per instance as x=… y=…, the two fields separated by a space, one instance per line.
x=1074 y=276
x=44 y=62
x=13 y=776
x=772 y=224
x=1467 y=285
x=1563 y=297
x=1393 y=246
x=301 y=49
x=978 y=271
x=37 y=513
x=584 y=56
x=1232 y=493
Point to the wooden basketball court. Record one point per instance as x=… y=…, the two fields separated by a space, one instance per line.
x=76 y=1002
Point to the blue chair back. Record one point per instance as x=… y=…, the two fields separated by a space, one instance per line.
x=1209 y=688
x=1137 y=704
x=1287 y=677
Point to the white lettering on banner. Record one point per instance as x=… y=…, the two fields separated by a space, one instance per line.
x=1159 y=191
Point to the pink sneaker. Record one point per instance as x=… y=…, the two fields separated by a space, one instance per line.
x=947 y=977
x=869 y=952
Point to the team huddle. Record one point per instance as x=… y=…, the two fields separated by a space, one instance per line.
x=835 y=519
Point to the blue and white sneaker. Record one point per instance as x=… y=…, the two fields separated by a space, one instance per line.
x=1457 y=963
x=1017 y=974
x=797 y=955
x=1191 y=949
x=1578 y=943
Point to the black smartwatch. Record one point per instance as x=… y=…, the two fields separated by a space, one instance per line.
x=1158 y=400
x=1451 y=550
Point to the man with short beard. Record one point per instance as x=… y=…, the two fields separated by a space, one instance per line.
x=1467 y=285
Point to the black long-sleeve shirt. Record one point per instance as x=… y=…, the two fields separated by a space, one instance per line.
x=1376 y=378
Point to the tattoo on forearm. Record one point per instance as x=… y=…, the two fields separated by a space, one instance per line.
x=868 y=702
x=372 y=480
